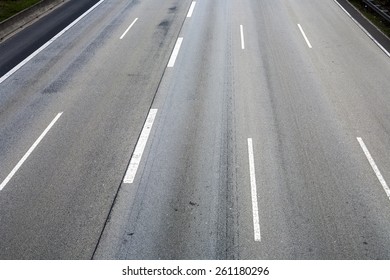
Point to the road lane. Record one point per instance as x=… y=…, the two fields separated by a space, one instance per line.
x=177 y=206
x=57 y=203
x=317 y=195
x=200 y=182
x=315 y=199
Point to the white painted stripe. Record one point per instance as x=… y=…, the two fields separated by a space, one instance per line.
x=374 y=167
x=175 y=52
x=19 y=164
x=304 y=36
x=255 y=209
x=31 y=56
x=242 y=37
x=139 y=148
x=191 y=10
x=127 y=30
x=363 y=29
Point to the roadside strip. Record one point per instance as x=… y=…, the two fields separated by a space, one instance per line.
x=48 y=43
x=27 y=16
x=363 y=29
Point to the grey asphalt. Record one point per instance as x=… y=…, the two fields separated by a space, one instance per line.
x=56 y=205
x=318 y=196
x=27 y=40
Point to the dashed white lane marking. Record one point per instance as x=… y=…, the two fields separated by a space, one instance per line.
x=127 y=30
x=31 y=56
x=139 y=148
x=24 y=158
x=175 y=52
x=374 y=167
x=304 y=36
x=242 y=37
x=191 y=10
x=363 y=29
x=255 y=209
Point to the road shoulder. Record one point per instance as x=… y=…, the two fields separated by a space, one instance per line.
x=21 y=20
x=369 y=27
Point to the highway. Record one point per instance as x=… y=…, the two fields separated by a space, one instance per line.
x=180 y=129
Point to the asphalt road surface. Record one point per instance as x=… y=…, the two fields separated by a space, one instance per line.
x=225 y=129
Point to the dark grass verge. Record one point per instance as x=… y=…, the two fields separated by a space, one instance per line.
x=376 y=19
x=8 y=8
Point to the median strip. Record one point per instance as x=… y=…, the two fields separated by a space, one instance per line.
x=31 y=56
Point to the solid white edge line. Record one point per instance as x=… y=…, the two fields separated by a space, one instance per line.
x=363 y=29
x=31 y=56
x=374 y=166
x=242 y=37
x=304 y=36
x=175 y=52
x=20 y=163
x=127 y=30
x=139 y=148
x=255 y=209
x=191 y=10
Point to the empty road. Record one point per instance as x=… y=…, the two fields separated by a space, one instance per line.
x=180 y=129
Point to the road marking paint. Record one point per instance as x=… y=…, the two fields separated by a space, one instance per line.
x=31 y=56
x=304 y=36
x=363 y=29
x=374 y=166
x=127 y=30
x=139 y=148
x=191 y=10
x=242 y=37
x=175 y=52
x=255 y=209
x=24 y=158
